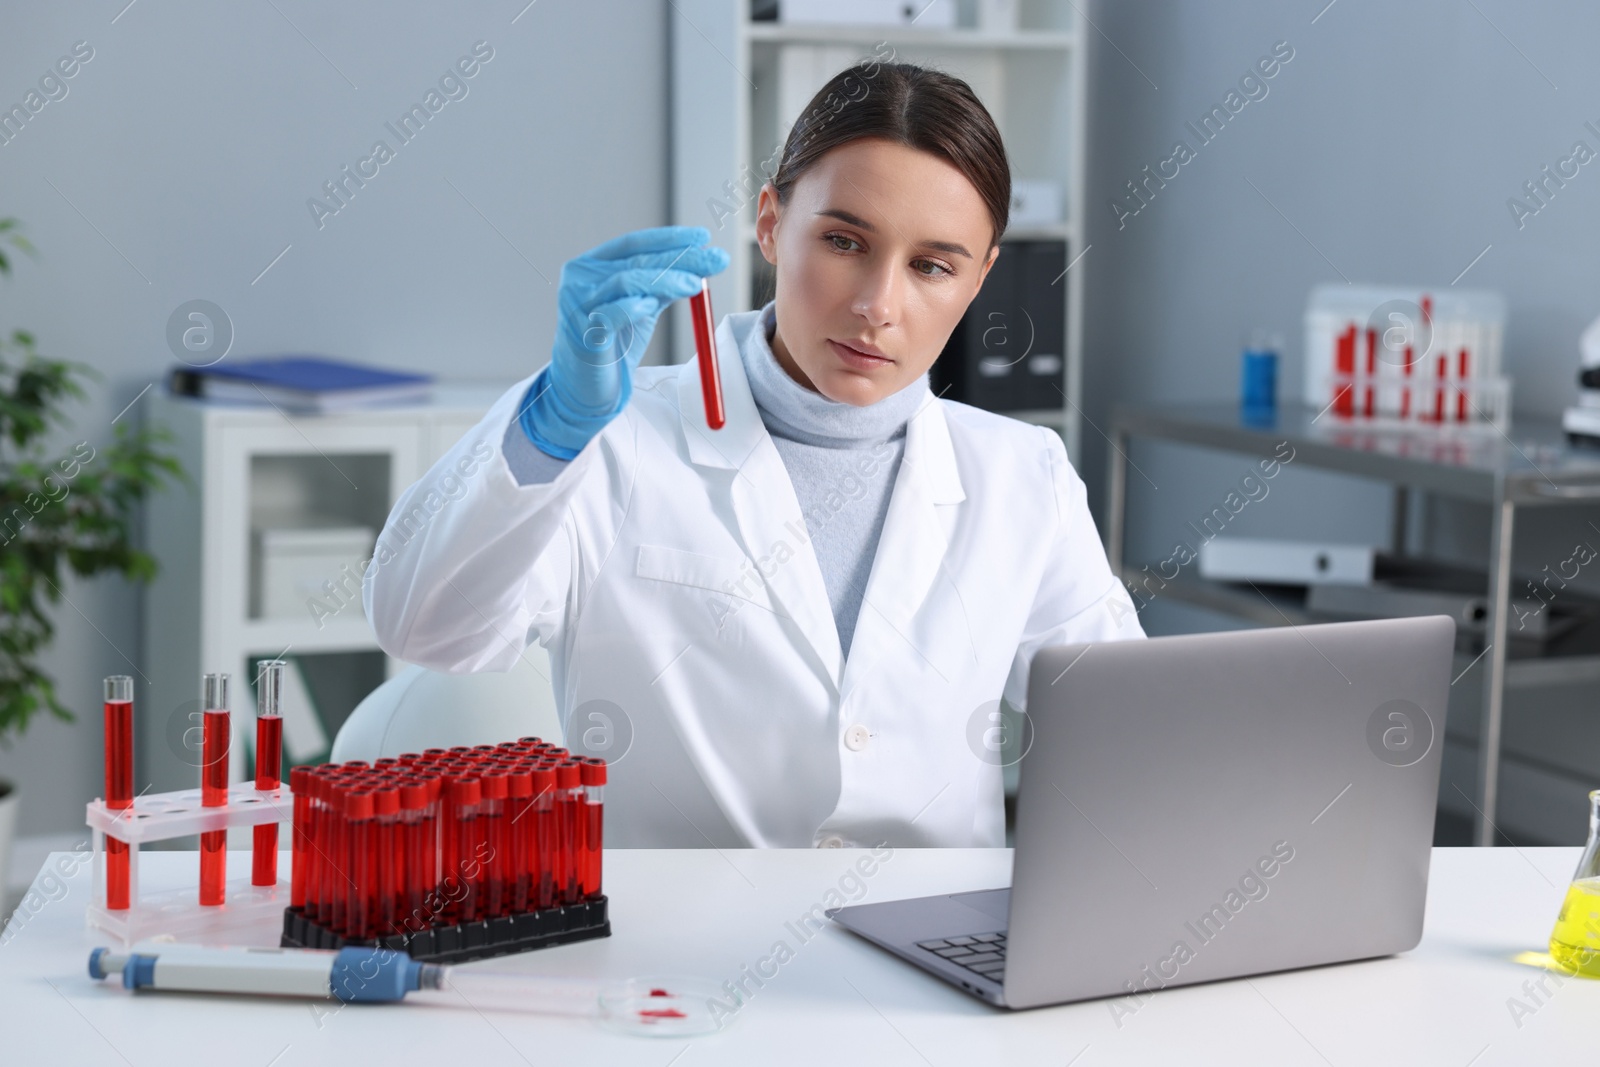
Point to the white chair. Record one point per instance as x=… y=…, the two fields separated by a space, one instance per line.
x=419 y=708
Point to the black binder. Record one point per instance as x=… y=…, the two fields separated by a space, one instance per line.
x=1009 y=351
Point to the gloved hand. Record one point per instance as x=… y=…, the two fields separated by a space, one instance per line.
x=610 y=299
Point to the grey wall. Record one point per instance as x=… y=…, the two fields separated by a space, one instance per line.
x=1384 y=151
x=179 y=164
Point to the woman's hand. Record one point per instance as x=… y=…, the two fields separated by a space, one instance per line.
x=610 y=299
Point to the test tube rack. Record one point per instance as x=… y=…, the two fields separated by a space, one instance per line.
x=177 y=912
x=1395 y=358
x=463 y=941
x=449 y=855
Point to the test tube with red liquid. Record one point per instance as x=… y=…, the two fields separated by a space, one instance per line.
x=569 y=808
x=388 y=861
x=119 y=781
x=420 y=858
x=458 y=830
x=269 y=762
x=358 y=887
x=299 y=835
x=593 y=775
x=547 y=835
x=1344 y=370
x=214 y=750
x=705 y=347
x=520 y=832
x=495 y=859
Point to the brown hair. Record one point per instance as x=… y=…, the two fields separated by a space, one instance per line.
x=909 y=105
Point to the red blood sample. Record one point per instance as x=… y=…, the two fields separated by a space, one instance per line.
x=547 y=838
x=418 y=849
x=520 y=833
x=705 y=346
x=359 y=885
x=593 y=775
x=387 y=861
x=458 y=831
x=299 y=835
x=119 y=781
x=214 y=748
x=569 y=804
x=495 y=855
x=269 y=758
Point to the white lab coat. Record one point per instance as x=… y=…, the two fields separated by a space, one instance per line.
x=669 y=573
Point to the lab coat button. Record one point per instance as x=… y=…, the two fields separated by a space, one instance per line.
x=856 y=738
x=832 y=841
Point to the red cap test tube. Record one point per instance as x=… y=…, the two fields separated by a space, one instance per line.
x=388 y=861
x=569 y=811
x=420 y=858
x=269 y=764
x=520 y=835
x=119 y=781
x=458 y=830
x=358 y=889
x=495 y=856
x=705 y=347
x=214 y=746
x=546 y=835
x=593 y=776
x=299 y=785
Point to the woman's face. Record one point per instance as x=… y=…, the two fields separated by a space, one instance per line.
x=878 y=253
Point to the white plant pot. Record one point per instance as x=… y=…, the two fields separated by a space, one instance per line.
x=9 y=804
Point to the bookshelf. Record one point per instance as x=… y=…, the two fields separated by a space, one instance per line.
x=256 y=468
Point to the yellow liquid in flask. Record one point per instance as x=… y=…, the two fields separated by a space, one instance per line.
x=1575 y=943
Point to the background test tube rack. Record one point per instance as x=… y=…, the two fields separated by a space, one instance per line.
x=1390 y=357
x=177 y=912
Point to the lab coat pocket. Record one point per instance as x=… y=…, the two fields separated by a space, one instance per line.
x=728 y=585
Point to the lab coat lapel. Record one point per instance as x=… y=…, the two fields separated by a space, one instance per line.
x=760 y=494
x=910 y=553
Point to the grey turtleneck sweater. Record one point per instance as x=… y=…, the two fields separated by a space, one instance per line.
x=841 y=459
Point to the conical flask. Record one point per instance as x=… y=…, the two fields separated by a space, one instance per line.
x=1575 y=942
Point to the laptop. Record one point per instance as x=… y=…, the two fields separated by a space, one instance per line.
x=1203 y=807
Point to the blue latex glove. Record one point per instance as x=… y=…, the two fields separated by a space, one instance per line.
x=610 y=299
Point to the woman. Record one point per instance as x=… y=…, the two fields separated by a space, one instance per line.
x=806 y=618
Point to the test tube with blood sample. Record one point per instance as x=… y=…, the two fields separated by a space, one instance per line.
x=593 y=774
x=519 y=833
x=569 y=805
x=269 y=762
x=705 y=346
x=216 y=734
x=388 y=861
x=358 y=813
x=547 y=835
x=119 y=782
x=494 y=858
x=417 y=847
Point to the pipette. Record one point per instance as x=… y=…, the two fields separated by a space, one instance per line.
x=705 y=347
x=665 y=1007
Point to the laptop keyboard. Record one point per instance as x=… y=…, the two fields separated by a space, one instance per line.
x=983 y=954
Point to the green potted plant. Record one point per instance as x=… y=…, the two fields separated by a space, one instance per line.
x=60 y=513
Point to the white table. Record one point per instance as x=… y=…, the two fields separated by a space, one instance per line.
x=839 y=1000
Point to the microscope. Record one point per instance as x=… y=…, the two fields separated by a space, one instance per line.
x=1582 y=420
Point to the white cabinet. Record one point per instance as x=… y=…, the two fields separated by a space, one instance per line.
x=738 y=84
x=257 y=469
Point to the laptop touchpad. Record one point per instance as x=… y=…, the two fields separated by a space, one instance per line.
x=995 y=903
